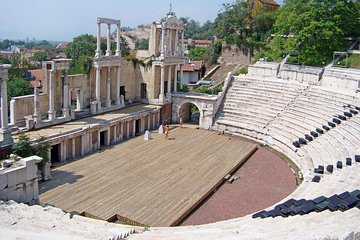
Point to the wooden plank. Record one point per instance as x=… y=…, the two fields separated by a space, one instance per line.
x=151 y=182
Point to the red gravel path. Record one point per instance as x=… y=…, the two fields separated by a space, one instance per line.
x=265 y=179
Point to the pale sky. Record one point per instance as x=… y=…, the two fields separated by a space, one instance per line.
x=62 y=20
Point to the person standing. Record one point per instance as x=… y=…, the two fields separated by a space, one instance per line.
x=166 y=130
x=181 y=122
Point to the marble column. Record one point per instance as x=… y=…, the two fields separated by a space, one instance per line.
x=158 y=118
x=175 y=79
x=118 y=50
x=108 y=86
x=108 y=49
x=118 y=79
x=63 y=150
x=79 y=98
x=73 y=149
x=162 y=95
x=4 y=105
x=37 y=114
x=182 y=43
x=90 y=142
x=168 y=95
x=177 y=42
x=98 y=89
x=66 y=110
x=148 y=121
x=134 y=128
x=51 y=111
x=163 y=29
x=181 y=73
x=83 y=144
x=170 y=52
x=153 y=121
x=98 y=42
x=127 y=129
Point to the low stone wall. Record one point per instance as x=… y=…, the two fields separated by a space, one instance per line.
x=264 y=69
x=19 y=182
x=342 y=78
x=23 y=106
x=301 y=73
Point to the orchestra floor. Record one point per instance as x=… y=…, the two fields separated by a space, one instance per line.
x=155 y=183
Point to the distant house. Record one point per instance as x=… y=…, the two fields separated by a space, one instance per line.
x=35 y=78
x=192 y=72
x=196 y=43
x=262 y=5
x=62 y=46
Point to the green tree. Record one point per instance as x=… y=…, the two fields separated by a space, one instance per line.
x=18 y=87
x=315 y=28
x=142 y=44
x=40 y=56
x=82 y=51
x=197 y=53
x=40 y=147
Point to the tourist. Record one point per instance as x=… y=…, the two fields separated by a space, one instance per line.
x=166 y=132
x=181 y=122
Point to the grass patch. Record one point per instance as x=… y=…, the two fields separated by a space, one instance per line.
x=354 y=61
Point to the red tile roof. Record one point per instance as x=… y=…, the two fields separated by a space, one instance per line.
x=271 y=2
x=208 y=42
x=193 y=66
x=38 y=77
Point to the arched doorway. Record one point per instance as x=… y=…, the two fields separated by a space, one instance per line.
x=190 y=113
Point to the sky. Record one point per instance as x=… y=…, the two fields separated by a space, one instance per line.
x=62 y=20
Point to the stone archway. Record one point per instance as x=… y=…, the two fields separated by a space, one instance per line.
x=186 y=111
x=204 y=103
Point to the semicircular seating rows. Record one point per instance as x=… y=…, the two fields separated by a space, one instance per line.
x=315 y=126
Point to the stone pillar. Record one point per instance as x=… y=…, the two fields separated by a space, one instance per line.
x=175 y=79
x=51 y=111
x=73 y=148
x=118 y=79
x=158 y=118
x=108 y=91
x=127 y=129
x=148 y=121
x=168 y=95
x=98 y=42
x=79 y=100
x=66 y=112
x=162 y=95
x=163 y=28
x=37 y=114
x=118 y=50
x=170 y=43
x=182 y=43
x=181 y=73
x=83 y=145
x=121 y=131
x=177 y=42
x=115 y=140
x=63 y=151
x=90 y=149
x=98 y=97
x=4 y=105
x=134 y=128
x=153 y=121
x=108 y=49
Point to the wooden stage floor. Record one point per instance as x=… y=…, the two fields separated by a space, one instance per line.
x=155 y=183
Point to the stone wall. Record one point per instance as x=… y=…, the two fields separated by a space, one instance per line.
x=24 y=106
x=301 y=73
x=19 y=182
x=235 y=55
x=264 y=69
x=348 y=78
